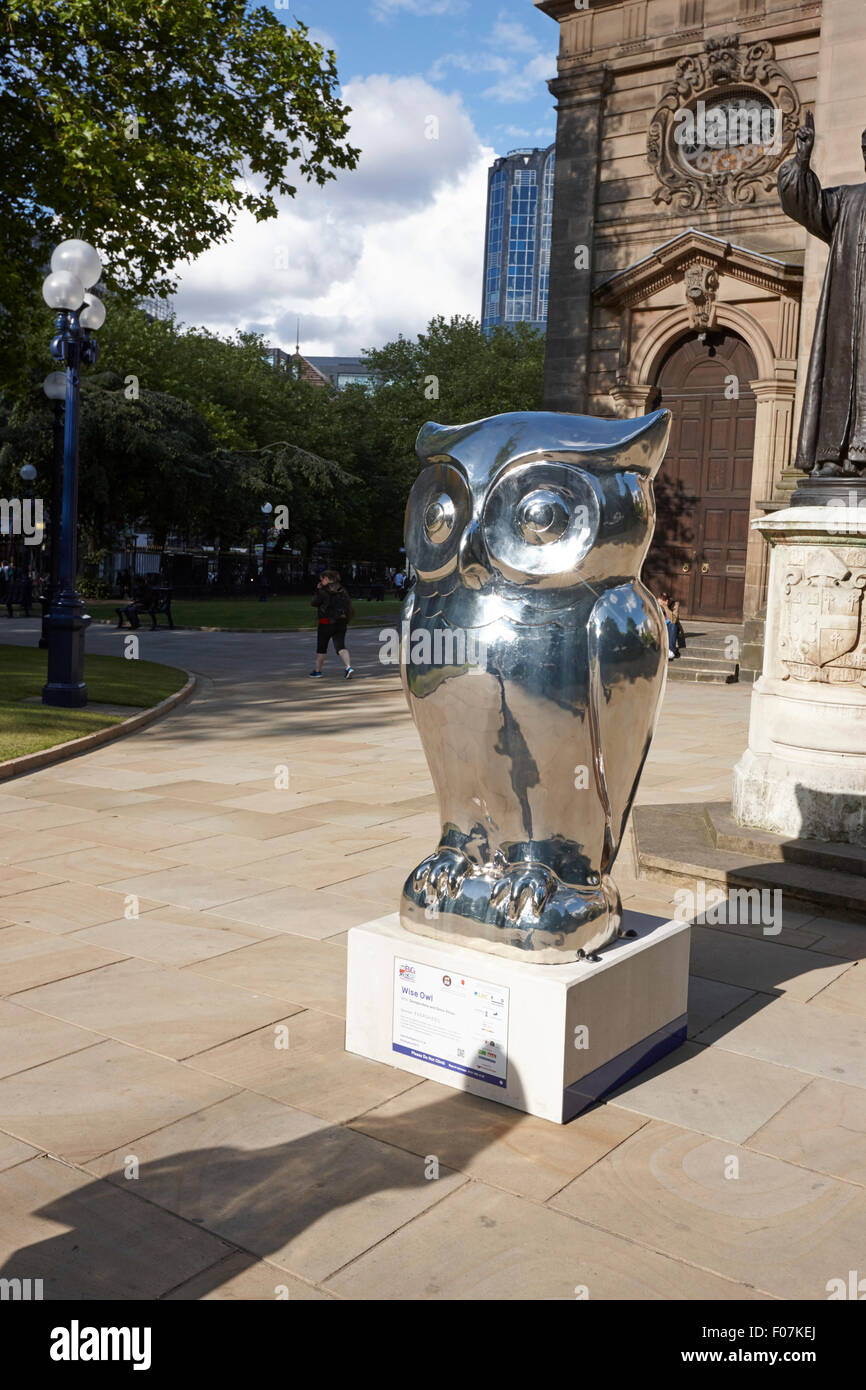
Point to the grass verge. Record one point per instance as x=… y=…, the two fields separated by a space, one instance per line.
x=278 y=614
x=111 y=680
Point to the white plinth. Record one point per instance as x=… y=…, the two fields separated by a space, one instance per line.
x=804 y=772
x=574 y=1032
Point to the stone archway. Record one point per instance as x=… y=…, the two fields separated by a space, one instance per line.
x=773 y=387
x=703 y=491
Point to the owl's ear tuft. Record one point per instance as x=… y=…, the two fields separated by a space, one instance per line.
x=649 y=446
x=432 y=443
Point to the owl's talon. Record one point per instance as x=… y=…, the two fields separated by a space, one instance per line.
x=522 y=887
x=440 y=874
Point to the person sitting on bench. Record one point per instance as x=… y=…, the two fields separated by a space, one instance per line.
x=143 y=601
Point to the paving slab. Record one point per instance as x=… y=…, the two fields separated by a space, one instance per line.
x=311 y=974
x=64 y=907
x=30 y=957
x=85 y=1239
x=299 y=911
x=482 y=1245
x=97 y=864
x=188 y=887
x=823 y=1128
x=280 y=1183
x=243 y=1278
x=847 y=993
x=13 y=1151
x=718 y=954
x=170 y=1012
x=305 y=1065
x=710 y=1000
x=820 y=1042
x=27 y=1038
x=172 y=936
x=85 y=1103
x=710 y=1090
x=752 y=1218
x=493 y=1143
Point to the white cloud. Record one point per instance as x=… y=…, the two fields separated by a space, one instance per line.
x=524 y=63
x=322 y=37
x=376 y=252
x=385 y=9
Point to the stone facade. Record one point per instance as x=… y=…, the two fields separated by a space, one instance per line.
x=653 y=242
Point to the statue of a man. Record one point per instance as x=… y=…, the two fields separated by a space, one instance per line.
x=832 y=441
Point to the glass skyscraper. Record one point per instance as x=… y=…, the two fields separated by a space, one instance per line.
x=517 y=249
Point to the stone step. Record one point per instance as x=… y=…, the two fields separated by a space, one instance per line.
x=706 y=675
x=702 y=647
x=705 y=658
x=726 y=834
x=675 y=844
x=704 y=662
x=701 y=637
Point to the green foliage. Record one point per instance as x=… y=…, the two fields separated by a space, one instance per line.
x=92 y=588
x=146 y=126
x=185 y=431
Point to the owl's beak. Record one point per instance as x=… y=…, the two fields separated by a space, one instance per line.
x=472 y=559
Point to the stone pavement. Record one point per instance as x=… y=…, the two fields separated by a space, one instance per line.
x=178 y=1118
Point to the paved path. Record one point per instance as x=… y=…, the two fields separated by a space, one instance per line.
x=178 y=1118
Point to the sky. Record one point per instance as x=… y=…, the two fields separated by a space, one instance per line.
x=381 y=249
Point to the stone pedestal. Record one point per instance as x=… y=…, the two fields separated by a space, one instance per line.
x=546 y=1039
x=804 y=772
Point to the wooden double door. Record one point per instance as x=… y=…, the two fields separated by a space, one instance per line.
x=704 y=485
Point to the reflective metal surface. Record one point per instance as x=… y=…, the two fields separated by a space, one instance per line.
x=533 y=660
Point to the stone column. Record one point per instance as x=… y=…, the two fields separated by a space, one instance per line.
x=804 y=772
x=840 y=115
x=580 y=97
x=773 y=422
x=631 y=401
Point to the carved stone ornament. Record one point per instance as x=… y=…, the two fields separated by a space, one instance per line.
x=701 y=283
x=728 y=76
x=823 y=637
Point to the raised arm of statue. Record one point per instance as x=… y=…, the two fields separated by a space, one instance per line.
x=800 y=193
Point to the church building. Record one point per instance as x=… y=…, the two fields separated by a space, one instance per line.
x=675 y=278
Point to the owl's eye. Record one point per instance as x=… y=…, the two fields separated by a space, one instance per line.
x=439 y=519
x=540 y=521
x=542 y=517
x=437 y=513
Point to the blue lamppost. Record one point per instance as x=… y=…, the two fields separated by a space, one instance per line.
x=54 y=387
x=75 y=266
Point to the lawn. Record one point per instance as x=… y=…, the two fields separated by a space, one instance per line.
x=111 y=680
x=278 y=614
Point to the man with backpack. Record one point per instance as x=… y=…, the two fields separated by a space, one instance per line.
x=335 y=612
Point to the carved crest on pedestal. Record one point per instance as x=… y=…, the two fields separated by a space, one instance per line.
x=822 y=636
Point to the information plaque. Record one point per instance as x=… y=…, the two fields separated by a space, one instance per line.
x=452 y=1021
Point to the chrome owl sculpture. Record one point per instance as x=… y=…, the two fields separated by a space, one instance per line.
x=533 y=660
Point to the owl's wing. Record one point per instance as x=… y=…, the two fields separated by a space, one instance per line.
x=627 y=651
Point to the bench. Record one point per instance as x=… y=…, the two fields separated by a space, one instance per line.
x=159 y=605
x=20 y=592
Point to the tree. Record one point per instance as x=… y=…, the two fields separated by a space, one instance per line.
x=216 y=430
x=146 y=126
x=452 y=373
